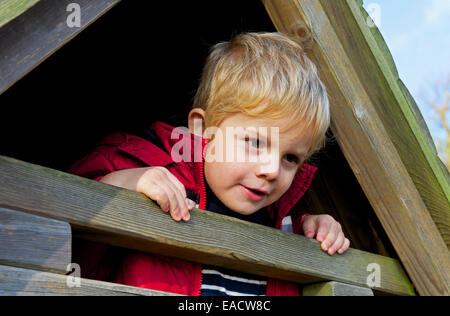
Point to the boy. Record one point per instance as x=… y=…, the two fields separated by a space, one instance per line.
x=263 y=101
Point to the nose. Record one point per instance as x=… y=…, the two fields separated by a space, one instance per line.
x=270 y=168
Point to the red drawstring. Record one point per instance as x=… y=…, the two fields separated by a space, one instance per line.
x=202 y=203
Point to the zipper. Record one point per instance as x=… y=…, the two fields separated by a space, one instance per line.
x=202 y=203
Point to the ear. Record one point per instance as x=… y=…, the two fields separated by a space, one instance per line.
x=196 y=121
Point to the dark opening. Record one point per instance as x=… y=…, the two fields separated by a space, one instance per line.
x=137 y=64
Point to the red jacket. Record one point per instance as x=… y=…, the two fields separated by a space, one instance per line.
x=120 y=151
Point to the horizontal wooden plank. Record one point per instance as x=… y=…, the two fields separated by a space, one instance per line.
x=125 y=218
x=335 y=289
x=364 y=138
x=10 y=9
x=35 y=35
x=31 y=241
x=24 y=282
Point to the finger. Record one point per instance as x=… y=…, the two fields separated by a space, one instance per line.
x=158 y=194
x=191 y=204
x=160 y=188
x=345 y=247
x=331 y=236
x=309 y=227
x=337 y=244
x=180 y=193
x=177 y=183
x=178 y=206
x=170 y=196
x=323 y=228
x=182 y=207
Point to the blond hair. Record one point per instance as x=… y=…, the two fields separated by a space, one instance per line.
x=264 y=75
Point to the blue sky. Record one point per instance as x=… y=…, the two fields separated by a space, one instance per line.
x=418 y=35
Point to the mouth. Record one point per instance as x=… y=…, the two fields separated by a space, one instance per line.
x=254 y=194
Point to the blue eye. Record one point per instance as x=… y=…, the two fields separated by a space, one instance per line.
x=254 y=142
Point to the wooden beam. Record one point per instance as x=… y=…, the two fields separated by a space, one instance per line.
x=364 y=139
x=335 y=289
x=23 y=282
x=395 y=106
x=35 y=35
x=10 y=9
x=34 y=242
x=125 y=218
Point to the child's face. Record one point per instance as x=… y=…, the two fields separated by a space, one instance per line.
x=269 y=171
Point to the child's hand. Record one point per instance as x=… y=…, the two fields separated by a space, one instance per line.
x=162 y=186
x=159 y=184
x=328 y=231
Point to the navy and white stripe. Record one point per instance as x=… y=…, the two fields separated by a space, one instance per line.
x=223 y=282
x=286 y=224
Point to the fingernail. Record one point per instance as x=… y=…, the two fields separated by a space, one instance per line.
x=187 y=217
x=320 y=238
x=325 y=246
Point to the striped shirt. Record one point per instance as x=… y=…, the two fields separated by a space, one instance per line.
x=224 y=282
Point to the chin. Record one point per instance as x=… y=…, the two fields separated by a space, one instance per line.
x=245 y=210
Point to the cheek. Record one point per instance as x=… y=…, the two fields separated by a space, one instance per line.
x=222 y=174
x=284 y=184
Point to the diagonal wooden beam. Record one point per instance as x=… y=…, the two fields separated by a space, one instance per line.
x=395 y=106
x=364 y=137
x=29 y=39
x=10 y=9
x=128 y=219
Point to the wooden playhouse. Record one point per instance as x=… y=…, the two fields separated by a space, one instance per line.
x=62 y=86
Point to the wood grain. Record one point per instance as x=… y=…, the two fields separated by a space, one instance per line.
x=395 y=107
x=34 y=242
x=128 y=219
x=35 y=35
x=335 y=289
x=24 y=282
x=369 y=149
x=10 y=9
